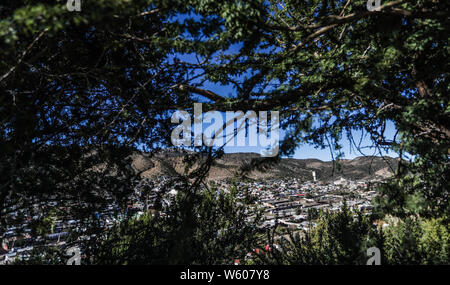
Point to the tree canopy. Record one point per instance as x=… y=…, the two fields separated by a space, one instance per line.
x=81 y=91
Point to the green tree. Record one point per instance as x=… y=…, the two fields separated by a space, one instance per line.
x=208 y=227
x=333 y=68
x=81 y=92
x=417 y=241
x=333 y=238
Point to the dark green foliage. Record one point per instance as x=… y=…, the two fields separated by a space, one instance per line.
x=336 y=238
x=208 y=227
x=81 y=91
x=417 y=241
x=344 y=238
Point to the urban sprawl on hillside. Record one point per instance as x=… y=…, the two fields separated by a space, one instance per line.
x=286 y=202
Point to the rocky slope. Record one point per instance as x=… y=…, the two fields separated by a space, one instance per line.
x=361 y=168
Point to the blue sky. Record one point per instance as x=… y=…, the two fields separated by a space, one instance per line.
x=308 y=150
x=305 y=150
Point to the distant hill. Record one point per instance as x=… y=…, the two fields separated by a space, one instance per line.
x=170 y=163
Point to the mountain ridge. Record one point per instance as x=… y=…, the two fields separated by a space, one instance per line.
x=231 y=165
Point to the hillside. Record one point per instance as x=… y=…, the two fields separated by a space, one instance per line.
x=361 y=168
